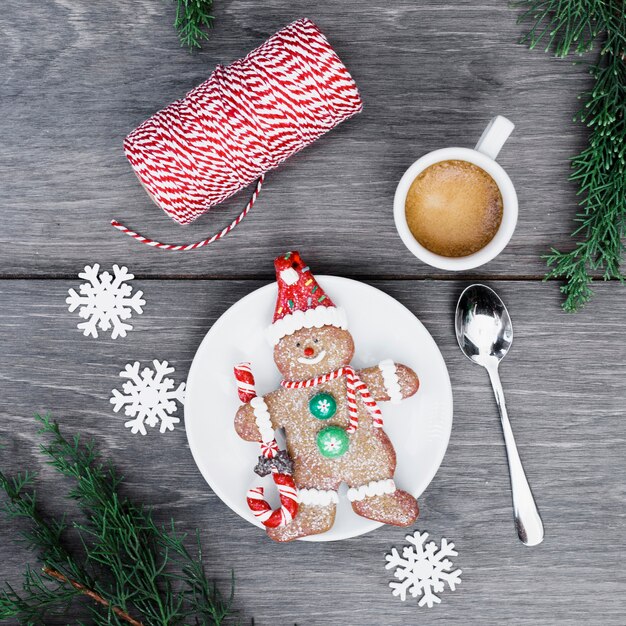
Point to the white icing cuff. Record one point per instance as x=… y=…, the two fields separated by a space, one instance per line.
x=263 y=420
x=390 y=380
x=375 y=488
x=317 y=497
x=311 y=318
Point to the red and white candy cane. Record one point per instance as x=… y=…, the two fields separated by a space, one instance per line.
x=284 y=482
x=288 y=501
x=245 y=382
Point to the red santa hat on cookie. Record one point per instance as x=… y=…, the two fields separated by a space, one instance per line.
x=301 y=302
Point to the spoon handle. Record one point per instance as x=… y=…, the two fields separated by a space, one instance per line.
x=527 y=520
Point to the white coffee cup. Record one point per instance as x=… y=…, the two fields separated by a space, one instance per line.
x=483 y=155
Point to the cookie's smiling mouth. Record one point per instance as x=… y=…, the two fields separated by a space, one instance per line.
x=313 y=360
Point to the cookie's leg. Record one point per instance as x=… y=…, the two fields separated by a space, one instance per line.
x=316 y=514
x=381 y=501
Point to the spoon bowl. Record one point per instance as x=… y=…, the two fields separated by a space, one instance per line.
x=483 y=325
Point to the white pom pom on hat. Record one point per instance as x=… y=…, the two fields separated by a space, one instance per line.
x=301 y=302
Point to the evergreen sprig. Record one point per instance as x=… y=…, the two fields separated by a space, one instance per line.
x=130 y=570
x=193 y=18
x=575 y=26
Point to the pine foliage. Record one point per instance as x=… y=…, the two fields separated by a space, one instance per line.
x=193 y=18
x=575 y=27
x=129 y=571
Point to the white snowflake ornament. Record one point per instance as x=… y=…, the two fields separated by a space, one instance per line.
x=423 y=569
x=149 y=397
x=105 y=300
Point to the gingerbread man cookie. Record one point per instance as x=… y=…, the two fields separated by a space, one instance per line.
x=328 y=410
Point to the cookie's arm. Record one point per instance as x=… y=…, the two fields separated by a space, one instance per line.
x=245 y=423
x=390 y=381
x=257 y=420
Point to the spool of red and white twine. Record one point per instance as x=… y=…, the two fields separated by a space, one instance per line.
x=287 y=490
x=245 y=120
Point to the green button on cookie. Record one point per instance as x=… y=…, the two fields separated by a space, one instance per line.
x=333 y=442
x=322 y=406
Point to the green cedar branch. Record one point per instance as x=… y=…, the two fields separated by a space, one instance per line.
x=37 y=601
x=92 y=594
x=193 y=18
x=575 y=26
x=136 y=571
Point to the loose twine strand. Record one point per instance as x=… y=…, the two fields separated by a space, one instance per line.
x=198 y=244
x=245 y=120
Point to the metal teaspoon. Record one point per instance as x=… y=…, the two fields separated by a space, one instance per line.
x=485 y=334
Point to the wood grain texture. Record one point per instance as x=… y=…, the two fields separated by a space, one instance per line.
x=78 y=75
x=564 y=381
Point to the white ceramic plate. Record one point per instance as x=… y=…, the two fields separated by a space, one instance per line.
x=419 y=427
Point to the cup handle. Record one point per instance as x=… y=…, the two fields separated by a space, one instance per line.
x=494 y=136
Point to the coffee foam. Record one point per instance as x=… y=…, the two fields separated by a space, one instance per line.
x=454 y=208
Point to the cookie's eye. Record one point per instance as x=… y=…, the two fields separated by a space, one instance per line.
x=315 y=340
x=298 y=344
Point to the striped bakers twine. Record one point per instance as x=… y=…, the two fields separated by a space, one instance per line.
x=354 y=385
x=245 y=120
x=198 y=244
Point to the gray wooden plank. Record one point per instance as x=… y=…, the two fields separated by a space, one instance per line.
x=564 y=385
x=77 y=76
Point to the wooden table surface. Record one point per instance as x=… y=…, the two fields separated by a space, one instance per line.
x=77 y=76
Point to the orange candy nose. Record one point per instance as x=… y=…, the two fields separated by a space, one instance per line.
x=308 y=351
